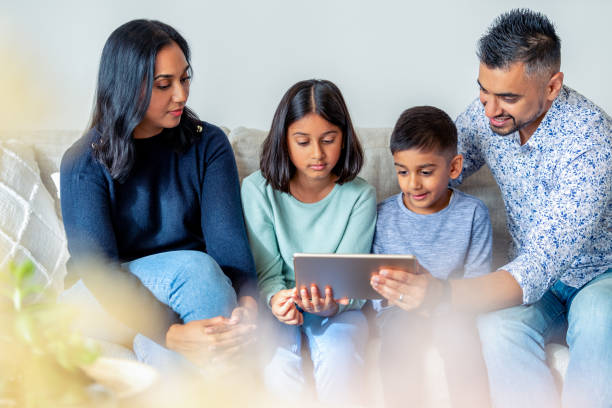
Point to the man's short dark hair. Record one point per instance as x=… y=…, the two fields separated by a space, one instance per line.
x=425 y=128
x=521 y=35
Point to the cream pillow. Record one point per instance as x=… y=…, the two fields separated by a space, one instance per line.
x=29 y=226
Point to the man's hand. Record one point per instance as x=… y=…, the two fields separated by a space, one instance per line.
x=408 y=290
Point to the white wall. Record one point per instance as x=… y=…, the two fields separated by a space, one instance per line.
x=385 y=56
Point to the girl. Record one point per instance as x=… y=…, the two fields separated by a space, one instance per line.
x=307 y=198
x=153 y=191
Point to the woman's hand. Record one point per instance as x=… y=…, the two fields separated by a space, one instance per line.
x=218 y=338
x=246 y=312
x=283 y=307
x=313 y=302
x=408 y=290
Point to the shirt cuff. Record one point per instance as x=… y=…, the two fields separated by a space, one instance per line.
x=267 y=294
x=521 y=271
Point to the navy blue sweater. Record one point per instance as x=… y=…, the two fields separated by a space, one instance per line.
x=171 y=200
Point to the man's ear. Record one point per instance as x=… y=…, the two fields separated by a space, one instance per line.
x=555 y=83
x=456 y=165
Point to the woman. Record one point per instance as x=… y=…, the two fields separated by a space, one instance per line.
x=154 y=192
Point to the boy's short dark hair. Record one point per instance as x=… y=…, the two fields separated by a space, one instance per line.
x=311 y=96
x=424 y=128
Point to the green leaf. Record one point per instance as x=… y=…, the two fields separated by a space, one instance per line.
x=22 y=272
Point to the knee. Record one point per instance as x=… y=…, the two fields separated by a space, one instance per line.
x=199 y=268
x=200 y=287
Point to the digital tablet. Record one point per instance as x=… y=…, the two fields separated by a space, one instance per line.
x=347 y=274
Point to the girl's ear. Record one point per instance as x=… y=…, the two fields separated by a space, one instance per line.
x=456 y=165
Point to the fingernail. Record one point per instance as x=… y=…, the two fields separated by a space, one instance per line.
x=384 y=272
x=376 y=280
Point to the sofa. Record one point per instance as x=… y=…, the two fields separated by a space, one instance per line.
x=45 y=148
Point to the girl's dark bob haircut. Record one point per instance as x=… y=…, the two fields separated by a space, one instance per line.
x=311 y=96
x=125 y=81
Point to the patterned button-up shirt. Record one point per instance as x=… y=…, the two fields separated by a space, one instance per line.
x=557 y=190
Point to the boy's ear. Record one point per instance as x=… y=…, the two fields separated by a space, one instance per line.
x=456 y=165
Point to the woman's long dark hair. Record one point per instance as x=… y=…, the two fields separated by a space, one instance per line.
x=125 y=81
x=311 y=96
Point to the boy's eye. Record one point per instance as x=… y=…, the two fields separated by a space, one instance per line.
x=509 y=99
x=426 y=172
x=402 y=172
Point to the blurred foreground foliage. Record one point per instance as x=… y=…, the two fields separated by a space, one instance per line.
x=40 y=354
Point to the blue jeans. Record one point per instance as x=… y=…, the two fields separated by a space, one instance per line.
x=337 y=347
x=513 y=343
x=191 y=283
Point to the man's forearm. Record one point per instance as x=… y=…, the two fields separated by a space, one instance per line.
x=497 y=290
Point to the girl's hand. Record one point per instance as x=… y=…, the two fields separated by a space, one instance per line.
x=283 y=307
x=313 y=302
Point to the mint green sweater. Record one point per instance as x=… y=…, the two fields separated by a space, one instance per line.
x=279 y=225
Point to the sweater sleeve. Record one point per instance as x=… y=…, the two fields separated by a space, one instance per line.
x=262 y=237
x=86 y=207
x=359 y=233
x=86 y=212
x=222 y=219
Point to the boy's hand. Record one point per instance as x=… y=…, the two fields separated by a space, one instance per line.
x=283 y=307
x=313 y=302
x=407 y=290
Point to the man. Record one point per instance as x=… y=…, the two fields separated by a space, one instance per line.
x=550 y=150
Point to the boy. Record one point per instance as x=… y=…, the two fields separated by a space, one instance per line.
x=449 y=232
